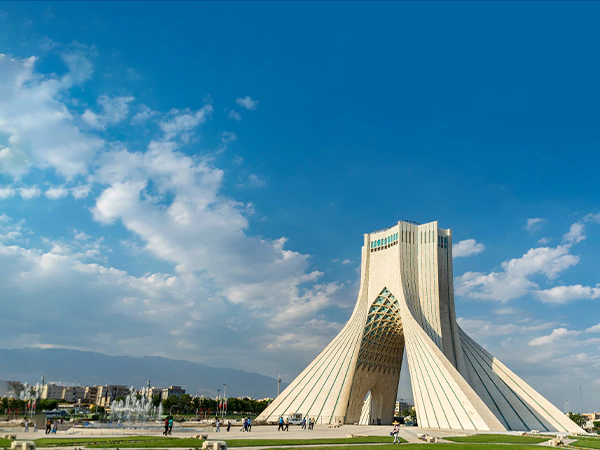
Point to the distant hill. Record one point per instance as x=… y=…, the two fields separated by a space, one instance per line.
x=89 y=368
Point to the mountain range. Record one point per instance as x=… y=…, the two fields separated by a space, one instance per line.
x=90 y=368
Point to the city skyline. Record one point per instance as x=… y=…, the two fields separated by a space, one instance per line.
x=199 y=193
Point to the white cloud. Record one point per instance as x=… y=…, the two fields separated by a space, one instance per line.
x=143 y=115
x=534 y=224
x=576 y=234
x=346 y=261
x=468 y=247
x=247 y=103
x=544 y=240
x=27 y=193
x=557 y=334
x=6 y=192
x=228 y=136
x=41 y=130
x=114 y=110
x=81 y=191
x=235 y=115
x=594 y=329
x=184 y=121
x=513 y=281
x=592 y=218
x=56 y=192
x=566 y=294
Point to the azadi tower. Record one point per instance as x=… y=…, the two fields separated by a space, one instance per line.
x=406 y=302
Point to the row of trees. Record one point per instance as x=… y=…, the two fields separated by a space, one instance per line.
x=186 y=404
x=16 y=404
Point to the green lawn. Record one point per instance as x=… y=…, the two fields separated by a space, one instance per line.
x=163 y=442
x=587 y=443
x=498 y=439
x=5 y=443
x=458 y=446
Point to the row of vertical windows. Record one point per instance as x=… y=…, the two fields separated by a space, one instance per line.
x=442 y=241
x=385 y=241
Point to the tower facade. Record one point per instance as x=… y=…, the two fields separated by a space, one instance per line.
x=406 y=302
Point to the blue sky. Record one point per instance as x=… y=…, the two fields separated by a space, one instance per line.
x=193 y=179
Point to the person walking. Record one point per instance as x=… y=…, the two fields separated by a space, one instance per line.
x=228 y=425
x=303 y=423
x=48 y=426
x=311 y=423
x=245 y=425
x=166 y=426
x=218 y=425
x=35 y=427
x=54 y=427
x=26 y=425
x=280 y=428
x=249 y=425
x=287 y=424
x=170 y=426
x=395 y=432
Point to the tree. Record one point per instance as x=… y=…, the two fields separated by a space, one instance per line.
x=97 y=409
x=578 y=419
x=47 y=404
x=596 y=424
x=170 y=402
x=156 y=400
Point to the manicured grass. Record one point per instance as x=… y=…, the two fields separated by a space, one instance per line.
x=587 y=443
x=5 y=443
x=498 y=439
x=458 y=446
x=164 y=442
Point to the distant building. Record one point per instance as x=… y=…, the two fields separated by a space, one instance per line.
x=90 y=394
x=52 y=392
x=172 y=390
x=400 y=407
x=154 y=391
x=109 y=392
x=73 y=394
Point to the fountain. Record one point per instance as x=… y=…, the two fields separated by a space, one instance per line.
x=136 y=407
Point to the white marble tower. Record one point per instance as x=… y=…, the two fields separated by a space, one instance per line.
x=406 y=301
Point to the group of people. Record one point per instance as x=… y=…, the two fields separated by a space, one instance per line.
x=308 y=424
x=26 y=424
x=247 y=425
x=51 y=426
x=284 y=424
x=168 y=426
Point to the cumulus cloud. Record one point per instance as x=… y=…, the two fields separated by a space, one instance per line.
x=557 y=334
x=247 y=102
x=6 y=192
x=81 y=191
x=41 y=130
x=235 y=115
x=27 y=193
x=56 y=192
x=576 y=234
x=182 y=122
x=114 y=110
x=143 y=115
x=514 y=280
x=468 y=247
x=534 y=224
x=566 y=294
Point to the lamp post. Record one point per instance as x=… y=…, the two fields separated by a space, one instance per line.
x=218 y=400
x=278 y=385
